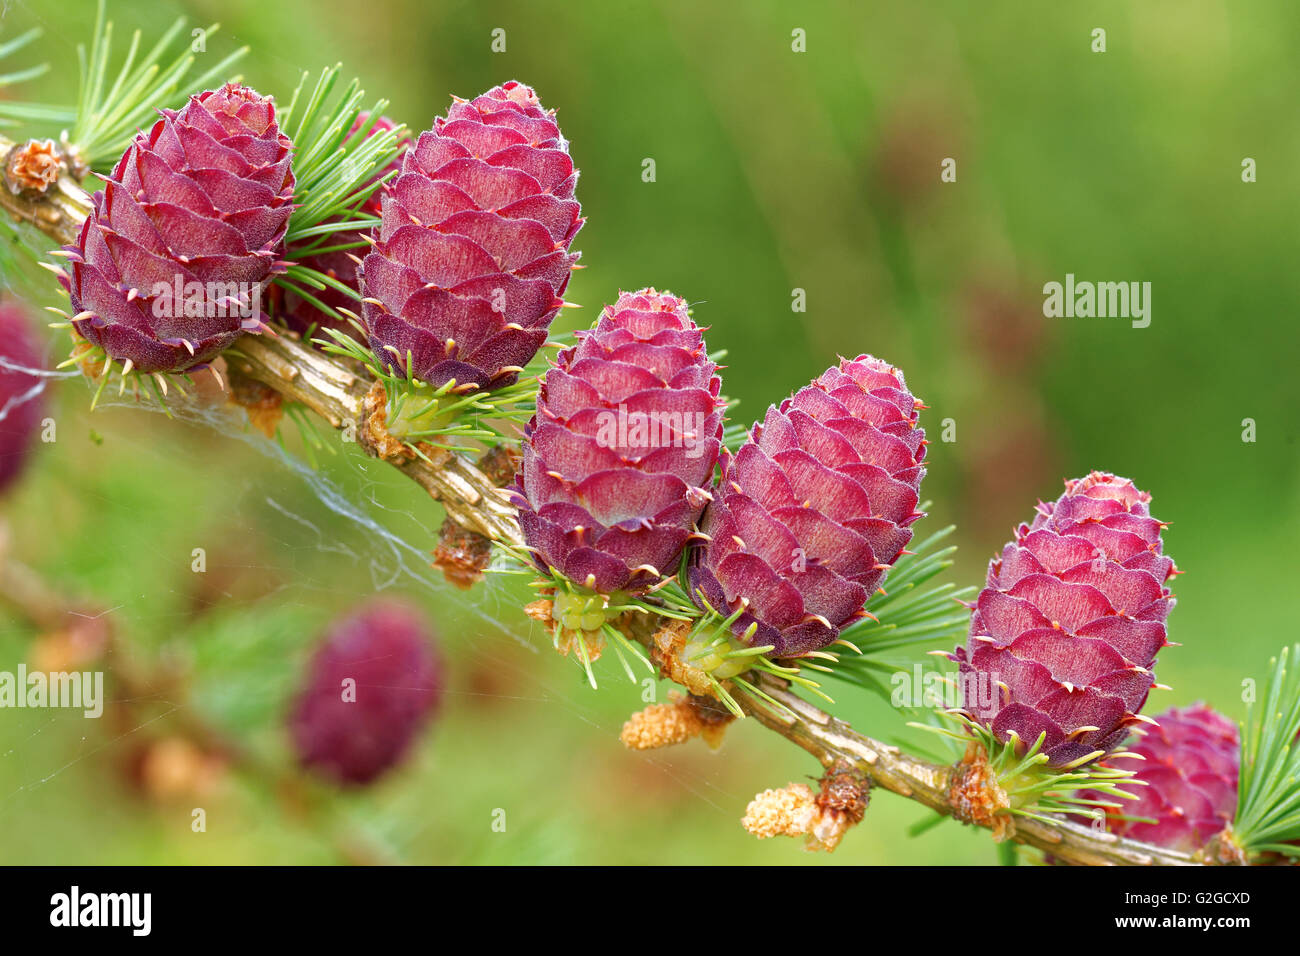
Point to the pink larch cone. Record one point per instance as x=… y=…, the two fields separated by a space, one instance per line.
x=386 y=650
x=1190 y=771
x=619 y=456
x=1064 y=635
x=21 y=399
x=814 y=508
x=472 y=257
x=199 y=204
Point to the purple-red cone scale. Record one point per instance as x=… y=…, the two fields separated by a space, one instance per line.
x=387 y=651
x=198 y=205
x=814 y=508
x=471 y=260
x=1190 y=771
x=619 y=457
x=21 y=401
x=1065 y=633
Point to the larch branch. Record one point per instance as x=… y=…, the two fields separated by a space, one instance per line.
x=337 y=393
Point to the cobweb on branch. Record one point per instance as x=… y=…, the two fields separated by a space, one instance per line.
x=391 y=545
x=37 y=389
x=392 y=560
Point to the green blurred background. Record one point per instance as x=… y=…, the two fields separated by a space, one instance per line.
x=775 y=170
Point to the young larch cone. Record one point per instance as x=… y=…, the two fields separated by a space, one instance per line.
x=370 y=688
x=1190 y=771
x=303 y=316
x=472 y=257
x=170 y=266
x=814 y=508
x=1064 y=635
x=619 y=457
x=21 y=401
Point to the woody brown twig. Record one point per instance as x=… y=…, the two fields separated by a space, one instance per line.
x=338 y=394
